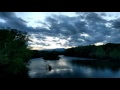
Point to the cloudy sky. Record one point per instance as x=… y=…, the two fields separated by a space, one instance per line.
x=65 y=29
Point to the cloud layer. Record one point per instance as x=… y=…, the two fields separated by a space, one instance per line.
x=83 y=29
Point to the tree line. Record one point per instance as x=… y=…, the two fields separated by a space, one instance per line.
x=46 y=55
x=110 y=51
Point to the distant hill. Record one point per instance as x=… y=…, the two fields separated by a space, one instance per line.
x=56 y=49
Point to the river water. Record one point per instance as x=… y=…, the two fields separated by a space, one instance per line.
x=64 y=68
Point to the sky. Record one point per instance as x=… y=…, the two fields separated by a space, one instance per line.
x=50 y=30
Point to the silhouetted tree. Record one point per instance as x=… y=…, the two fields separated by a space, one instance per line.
x=14 y=51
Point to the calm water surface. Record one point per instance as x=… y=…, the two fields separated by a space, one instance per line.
x=64 y=68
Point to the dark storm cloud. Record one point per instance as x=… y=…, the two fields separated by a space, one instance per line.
x=12 y=21
x=81 y=26
x=115 y=33
x=91 y=17
x=41 y=43
x=61 y=25
x=2 y=25
x=71 y=29
x=92 y=25
x=40 y=37
x=116 y=23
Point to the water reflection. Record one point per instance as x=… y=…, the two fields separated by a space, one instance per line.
x=69 y=67
x=99 y=64
x=37 y=68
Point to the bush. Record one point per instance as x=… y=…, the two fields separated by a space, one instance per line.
x=14 y=52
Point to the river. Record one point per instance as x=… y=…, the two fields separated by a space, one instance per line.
x=64 y=68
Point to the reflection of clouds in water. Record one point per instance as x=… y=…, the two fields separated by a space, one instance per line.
x=38 y=68
x=60 y=70
x=88 y=71
x=58 y=73
x=107 y=73
x=36 y=62
x=62 y=63
x=93 y=73
x=32 y=74
x=59 y=64
x=82 y=72
x=64 y=69
x=116 y=75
